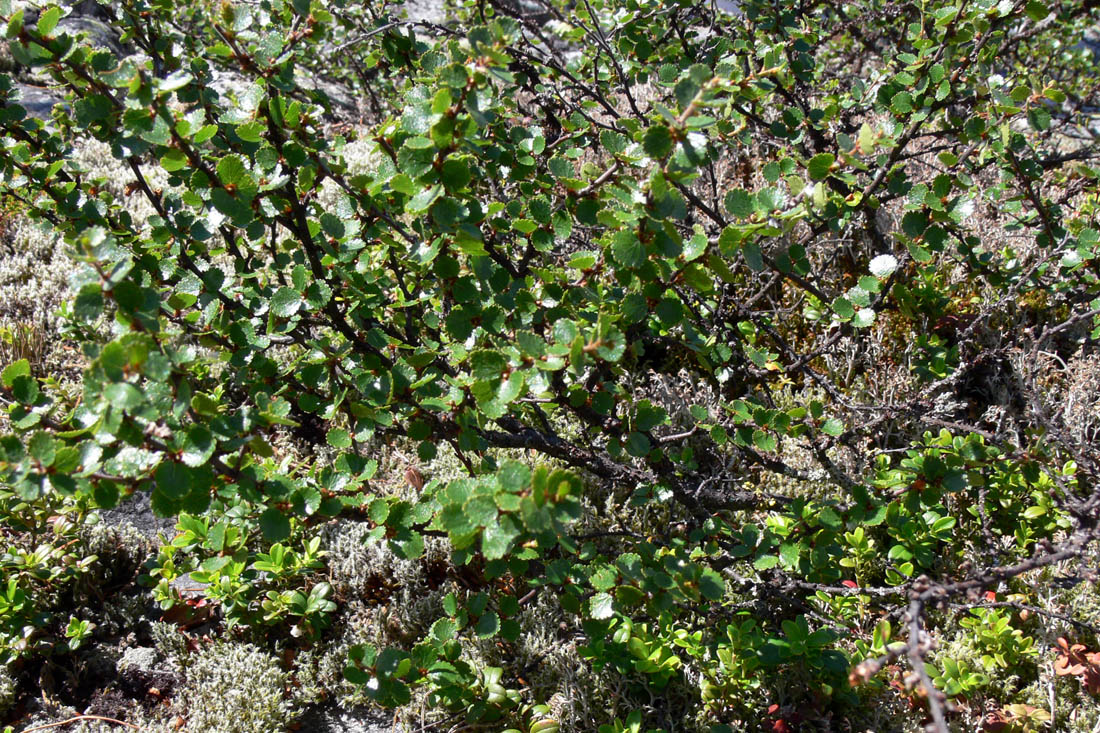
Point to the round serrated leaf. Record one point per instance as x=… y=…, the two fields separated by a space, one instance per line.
x=766 y=562
x=863 y=318
x=601 y=606
x=286 y=302
x=657 y=142
x=514 y=476
x=173 y=160
x=481 y=510
x=21 y=368
x=339 y=438
x=488 y=625
x=843 y=308
x=902 y=103
x=173 y=479
x=498 y=537
x=764 y=441
x=627 y=249
x=820 y=165
x=637 y=445
x=444 y=629
x=124 y=395
x=275 y=525
x=739 y=203
x=711 y=585
x=42 y=447
x=883 y=265
x=198 y=446
x=231 y=170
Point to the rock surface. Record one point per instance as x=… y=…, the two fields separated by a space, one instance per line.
x=38 y=101
x=331 y=719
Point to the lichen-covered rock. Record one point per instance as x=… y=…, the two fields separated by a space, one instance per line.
x=140 y=658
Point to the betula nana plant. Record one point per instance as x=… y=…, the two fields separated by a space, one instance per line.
x=792 y=287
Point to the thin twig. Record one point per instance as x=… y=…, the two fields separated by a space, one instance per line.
x=78 y=718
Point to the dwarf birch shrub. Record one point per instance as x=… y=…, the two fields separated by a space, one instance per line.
x=528 y=218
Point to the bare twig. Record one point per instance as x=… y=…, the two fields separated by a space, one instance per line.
x=78 y=718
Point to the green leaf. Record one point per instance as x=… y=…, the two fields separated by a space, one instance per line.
x=712 y=585
x=1035 y=10
x=740 y=203
x=657 y=142
x=754 y=257
x=820 y=165
x=285 y=302
x=498 y=537
x=338 y=438
x=481 y=510
x=16 y=369
x=232 y=170
x=766 y=562
x=48 y=20
x=173 y=160
x=275 y=525
x=198 y=445
x=601 y=606
x=231 y=206
x=866 y=139
x=829 y=518
x=627 y=249
x=124 y=395
x=422 y=201
x=487 y=626
x=637 y=445
x=764 y=440
x=455 y=173
x=173 y=479
x=251 y=132
x=863 y=318
x=25 y=390
x=514 y=476
x=43 y=448
x=843 y=308
x=902 y=103
x=378 y=510
x=444 y=629
x=613 y=142
x=789 y=553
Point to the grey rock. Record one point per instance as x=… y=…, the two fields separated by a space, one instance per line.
x=96 y=33
x=428 y=11
x=733 y=7
x=333 y=719
x=90 y=9
x=138 y=511
x=1091 y=41
x=188 y=586
x=38 y=101
x=138 y=659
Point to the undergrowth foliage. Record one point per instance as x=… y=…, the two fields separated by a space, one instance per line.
x=749 y=333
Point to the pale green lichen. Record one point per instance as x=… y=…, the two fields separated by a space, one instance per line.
x=8 y=690
x=234 y=688
x=169 y=642
x=34 y=272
